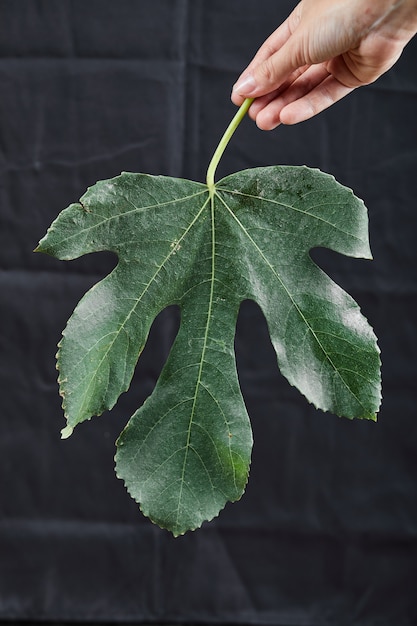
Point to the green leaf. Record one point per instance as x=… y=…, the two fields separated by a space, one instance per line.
x=186 y=451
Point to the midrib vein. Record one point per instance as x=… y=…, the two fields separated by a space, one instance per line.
x=132 y=310
x=297 y=308
x=135 y=209
x=203 y=352
x=294 y=208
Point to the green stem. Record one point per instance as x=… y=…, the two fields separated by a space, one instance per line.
x=243 y=109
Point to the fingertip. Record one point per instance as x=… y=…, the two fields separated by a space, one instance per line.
x=266 y=125
x=267 y=120
x=287 y=117
x=296 y=112
x=245 y=86
x=236 y=98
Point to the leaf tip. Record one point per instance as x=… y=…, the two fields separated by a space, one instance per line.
x=66 y=432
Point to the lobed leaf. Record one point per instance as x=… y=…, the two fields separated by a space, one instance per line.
x=186 y=451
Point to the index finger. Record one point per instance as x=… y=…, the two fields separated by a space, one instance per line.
x=270 y=46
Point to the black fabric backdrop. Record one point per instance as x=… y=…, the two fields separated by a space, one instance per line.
x=326 y=533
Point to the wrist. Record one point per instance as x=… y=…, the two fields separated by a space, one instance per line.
x=399 y=16
x=410 y=10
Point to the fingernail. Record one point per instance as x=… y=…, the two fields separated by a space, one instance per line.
x=245 y=85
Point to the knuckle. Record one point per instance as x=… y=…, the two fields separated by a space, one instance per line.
x=295 y=17
x=327 y=98
x=269 y=49
x=266 y=72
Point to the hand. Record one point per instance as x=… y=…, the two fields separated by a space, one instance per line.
x=324 y=50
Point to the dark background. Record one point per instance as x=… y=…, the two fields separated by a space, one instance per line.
x=326 y=534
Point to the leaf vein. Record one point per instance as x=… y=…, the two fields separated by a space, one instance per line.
x=138 y=300
x=294 y=208
x=297 y=308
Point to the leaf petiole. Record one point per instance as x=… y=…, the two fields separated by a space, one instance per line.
x=243 y=109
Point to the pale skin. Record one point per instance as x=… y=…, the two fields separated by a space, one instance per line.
x=324 y=50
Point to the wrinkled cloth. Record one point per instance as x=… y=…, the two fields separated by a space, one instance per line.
x=326 y=533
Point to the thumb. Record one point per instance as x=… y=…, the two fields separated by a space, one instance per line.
x=272 y=72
